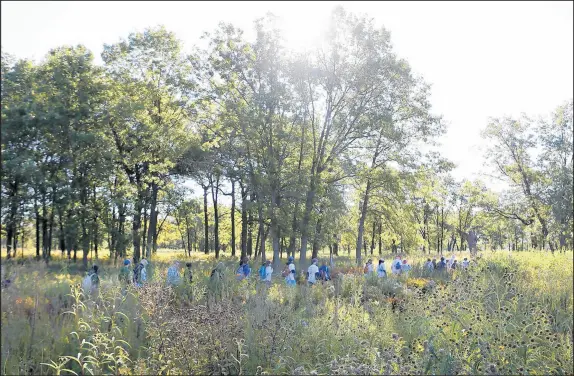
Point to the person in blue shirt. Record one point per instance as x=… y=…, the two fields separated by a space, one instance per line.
x=441 y=265
x=325 y=272
x=244 y=270
x=289 y=272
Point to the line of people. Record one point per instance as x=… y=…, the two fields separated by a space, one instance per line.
x=445 y=264
x=398 y=266
x=314 y=273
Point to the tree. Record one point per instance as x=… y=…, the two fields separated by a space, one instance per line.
x=149 y=113
x=512 y=144
x=555 y=163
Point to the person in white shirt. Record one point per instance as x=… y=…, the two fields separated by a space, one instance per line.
x=450 y=261
x=369 y=267
x=381 y=270
x=465 y=263
x=429 y=266
x=396 y=266
x=268 y=272
x=312 y=271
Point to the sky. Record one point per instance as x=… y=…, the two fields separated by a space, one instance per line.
x=483 y=59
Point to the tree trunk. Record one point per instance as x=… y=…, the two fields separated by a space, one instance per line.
x=11 y=228
x=244 y=223
x=51 y=225
x=178 y=224
x=23 y=233
x=316 y=240
x=309 y=201
x=250 y=229
x=233 y=218
x=274 y=228
x=188 y=232
x=260 y=234
x=45 y=240
x=362 y=217
x=37 y=214
x=152 y=230
x=373 y=237
x=214 y=194
x=441 y=228
x=84 y=224
x=437 y=232
x=136 y=225
x=121 y=239
x=145 y=221
x=380 y=238
x=206 y=220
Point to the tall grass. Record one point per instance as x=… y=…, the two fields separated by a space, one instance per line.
x=505 y=315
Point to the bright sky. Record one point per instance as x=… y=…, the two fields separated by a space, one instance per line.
x=482 y=58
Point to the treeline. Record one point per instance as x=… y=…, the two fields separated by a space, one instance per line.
x=315 y=150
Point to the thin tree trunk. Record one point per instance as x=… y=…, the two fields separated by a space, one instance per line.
x=188 y=232
x=37 y=213
x=206 y=220
x=136 y=225
x=363 y=216
x=441 y=228
x=233 y=218
x=274 y=228
x=317 y=237
x=437 y=232
x=145 y=220
x=309 y=201
x=51 y=225
x=244 y=223
x=214 y=194
x=380 y=238
x=121 y=239
x=152 y=230
x=178 y=224
x=45 y=240
x=10 y=230
x=373 y=237
x=250 y=229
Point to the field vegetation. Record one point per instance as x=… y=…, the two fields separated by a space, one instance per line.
x=508 y=313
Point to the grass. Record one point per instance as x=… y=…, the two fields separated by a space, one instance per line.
x=505 y=315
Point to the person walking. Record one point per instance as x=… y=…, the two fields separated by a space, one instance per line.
x=381 y=269
x=324 y=272
x=396 y=266
x=268 y=272
x=124 y=275
x=312 y=272
x=289 y=272
x=173 y=276
x=405 y=268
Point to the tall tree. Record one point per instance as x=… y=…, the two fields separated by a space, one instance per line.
x=149 y=117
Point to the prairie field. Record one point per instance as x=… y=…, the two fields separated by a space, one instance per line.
x=508 y=313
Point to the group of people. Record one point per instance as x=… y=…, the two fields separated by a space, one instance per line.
x=398 y=266
x=139 y=275
x=401 y=266
x=314 y=274
x=446 y=264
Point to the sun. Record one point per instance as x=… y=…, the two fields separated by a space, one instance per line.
x=302 y=30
